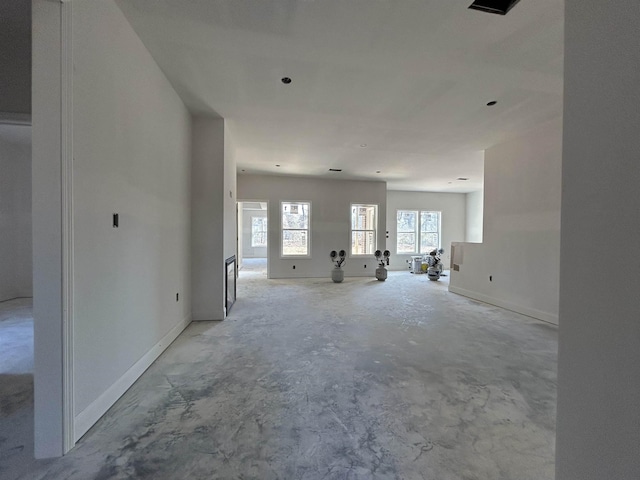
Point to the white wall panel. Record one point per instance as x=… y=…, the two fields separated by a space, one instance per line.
x=330 y=220
x=517 y=265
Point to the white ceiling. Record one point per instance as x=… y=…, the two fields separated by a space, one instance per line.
x=409 y=79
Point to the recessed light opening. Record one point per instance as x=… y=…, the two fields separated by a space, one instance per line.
x=277 y=165
x=363 y=145
x=462 y=178
x=286 y=80
x=491 y=103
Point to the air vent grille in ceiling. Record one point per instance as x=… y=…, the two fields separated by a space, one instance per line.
x=500 y=7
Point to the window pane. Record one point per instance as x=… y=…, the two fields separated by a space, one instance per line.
x=294 y=242
x=258 y=231
x=407 y=221
x=406 y=242
x=428 y=242
x=363 y=217
x=295 y=215
x=363 y=243
x=364 y=222
x=429 y=221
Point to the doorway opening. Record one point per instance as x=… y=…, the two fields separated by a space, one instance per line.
x=253 y=233
x=16 y=300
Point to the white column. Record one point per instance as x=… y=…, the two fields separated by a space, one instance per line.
x=51 y=204
x=207 y=218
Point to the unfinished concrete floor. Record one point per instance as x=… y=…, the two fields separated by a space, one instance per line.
x=16 y=387
x=308 y=379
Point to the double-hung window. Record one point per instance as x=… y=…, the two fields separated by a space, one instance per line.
x=364 y=223
x=418 y=231
x=407 y=233
x=258 y=231
x=296 y=223
x=429 y=231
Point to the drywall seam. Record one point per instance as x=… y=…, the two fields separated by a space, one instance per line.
x=529 y=312
x=90 y=415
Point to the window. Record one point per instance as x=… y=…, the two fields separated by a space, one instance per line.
x=258 y=231
x=296 y=218
x=364 y=222
x=417 y=231
x=407 y=231
x=429 y=231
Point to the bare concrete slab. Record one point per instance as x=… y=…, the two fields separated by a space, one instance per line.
x=309 y=379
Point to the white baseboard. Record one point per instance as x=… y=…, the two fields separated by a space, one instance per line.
x=207 y=316
x=10 y=118
x=90 y=415
x=529 y=312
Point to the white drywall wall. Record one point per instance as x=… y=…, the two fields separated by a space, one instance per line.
x=208 y=190
x=230 y=221
x=15 y=56
x=47 y=229
x=475 y=216
x=521 y=244
x=598 y=422
x=452 y=208
x=330 y=220
x=15 y=212
x=240 y=237
x=131 y=143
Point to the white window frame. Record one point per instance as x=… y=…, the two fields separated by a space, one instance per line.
x=418 y=230
x=439 y=231
x=282 y=230
x=415 y=232
x=263 y=218
x=352 y=230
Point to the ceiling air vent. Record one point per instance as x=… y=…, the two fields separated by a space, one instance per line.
x=501 y=7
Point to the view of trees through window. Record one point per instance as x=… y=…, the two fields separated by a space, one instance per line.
x=295 y=228
x=258 y=231
x=417 y=231
x=364 y=219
